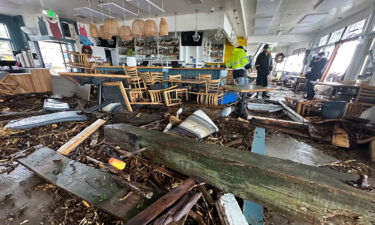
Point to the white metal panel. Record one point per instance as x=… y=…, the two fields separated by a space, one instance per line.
x=267 y=7
x=260 y=31
x=313 y=18
x=116 y=9
x=147 y=5
x=263 y=22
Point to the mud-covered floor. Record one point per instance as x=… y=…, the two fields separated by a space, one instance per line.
x=26 y=199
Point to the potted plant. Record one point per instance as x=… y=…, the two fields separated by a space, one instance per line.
x=130 y=59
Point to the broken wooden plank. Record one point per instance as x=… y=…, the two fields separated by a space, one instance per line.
x=277 y=122
x=372 y=151
x=340 y=137
x=299 y=191
x=152 y=211
x=293 y=114
x=69 y=146
x=92 y=185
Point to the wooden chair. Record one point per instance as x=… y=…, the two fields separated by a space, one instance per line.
x=230 y=79
x=157 y=77
x=211 y=94
x=175 y=77
x=366 y=95
x=147 y=78
x=171 y=97
x=135 y=82
x=204 y=76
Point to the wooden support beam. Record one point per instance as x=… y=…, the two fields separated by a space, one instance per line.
x=316 y=195
x=152 y=211
x=69 y=146
x=276 y=122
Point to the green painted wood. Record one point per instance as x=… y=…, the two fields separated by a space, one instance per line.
x=95 y=186
x=316 y=195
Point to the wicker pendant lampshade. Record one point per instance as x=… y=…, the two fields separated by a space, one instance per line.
x=125 y=33
x=138 y=27
x=111 y=27
x=163 y=27
x=150 y=28
x=94 y=30
x=102 y=34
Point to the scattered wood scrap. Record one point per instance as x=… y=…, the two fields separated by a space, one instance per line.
x=69 y=146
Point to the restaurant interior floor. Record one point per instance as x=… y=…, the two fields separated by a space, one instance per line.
x=27 y=199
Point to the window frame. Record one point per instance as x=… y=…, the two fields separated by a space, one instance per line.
x=341 y=35
x=9 y=39
x=346 y=35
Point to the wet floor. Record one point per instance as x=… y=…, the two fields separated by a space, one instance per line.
x=21 y=202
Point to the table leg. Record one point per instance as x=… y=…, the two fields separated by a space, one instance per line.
x=242 y=105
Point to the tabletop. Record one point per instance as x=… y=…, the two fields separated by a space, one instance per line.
x=246 y=88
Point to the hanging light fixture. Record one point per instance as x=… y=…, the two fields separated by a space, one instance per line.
x=93 y=29
x=102 y=35
x=125 y=32
x=163 y=26
x=176 y=37
x=138 y=26
x=219 y=34
x=111 y=27
x=196 y=36
x=150 y=25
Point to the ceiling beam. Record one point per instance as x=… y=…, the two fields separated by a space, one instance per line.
x=295 y=38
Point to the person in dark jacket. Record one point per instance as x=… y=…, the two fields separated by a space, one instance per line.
x=317 y=65
x=263 y=65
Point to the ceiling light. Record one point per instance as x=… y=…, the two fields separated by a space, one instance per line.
x=117 y=9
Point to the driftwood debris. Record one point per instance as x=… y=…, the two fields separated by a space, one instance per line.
x=316 y=195
x=152 y=211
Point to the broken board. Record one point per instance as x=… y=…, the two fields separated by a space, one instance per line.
x=95 y=186
x=340 y=137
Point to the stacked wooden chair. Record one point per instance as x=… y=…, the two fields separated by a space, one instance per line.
x=365 y=99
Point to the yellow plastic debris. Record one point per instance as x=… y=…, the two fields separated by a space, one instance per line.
x=86 y=204
x=118 y=164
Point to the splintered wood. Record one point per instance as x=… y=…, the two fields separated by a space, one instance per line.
x=340 y=137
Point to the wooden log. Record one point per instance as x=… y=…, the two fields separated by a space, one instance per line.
x=316 y=195
x=69 y=146
x=372 y=151
x=152 y=211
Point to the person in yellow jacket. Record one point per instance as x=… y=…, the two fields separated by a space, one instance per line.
x=238 y=62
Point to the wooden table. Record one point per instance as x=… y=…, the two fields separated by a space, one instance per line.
x=243 y=90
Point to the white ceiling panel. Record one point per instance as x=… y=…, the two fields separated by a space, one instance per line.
x=267 y=7
x=88 y=12
x=263 y=22
x=324 y=5
x=299 y=30
x=260 y=31
x=313 y=18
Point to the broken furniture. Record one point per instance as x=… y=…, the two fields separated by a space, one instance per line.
x=80 y=61
x=342 y=91
x=211 y=95
x=282 y=185
x=36 y=81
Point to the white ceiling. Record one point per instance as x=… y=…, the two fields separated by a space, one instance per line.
x=64 y=8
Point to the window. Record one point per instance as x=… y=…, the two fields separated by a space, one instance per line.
x=54 y=55
x=323 y=40
x=294 y=63
x=342 y=60
x=336 y=36
x=6 y=50
x=354 y=29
